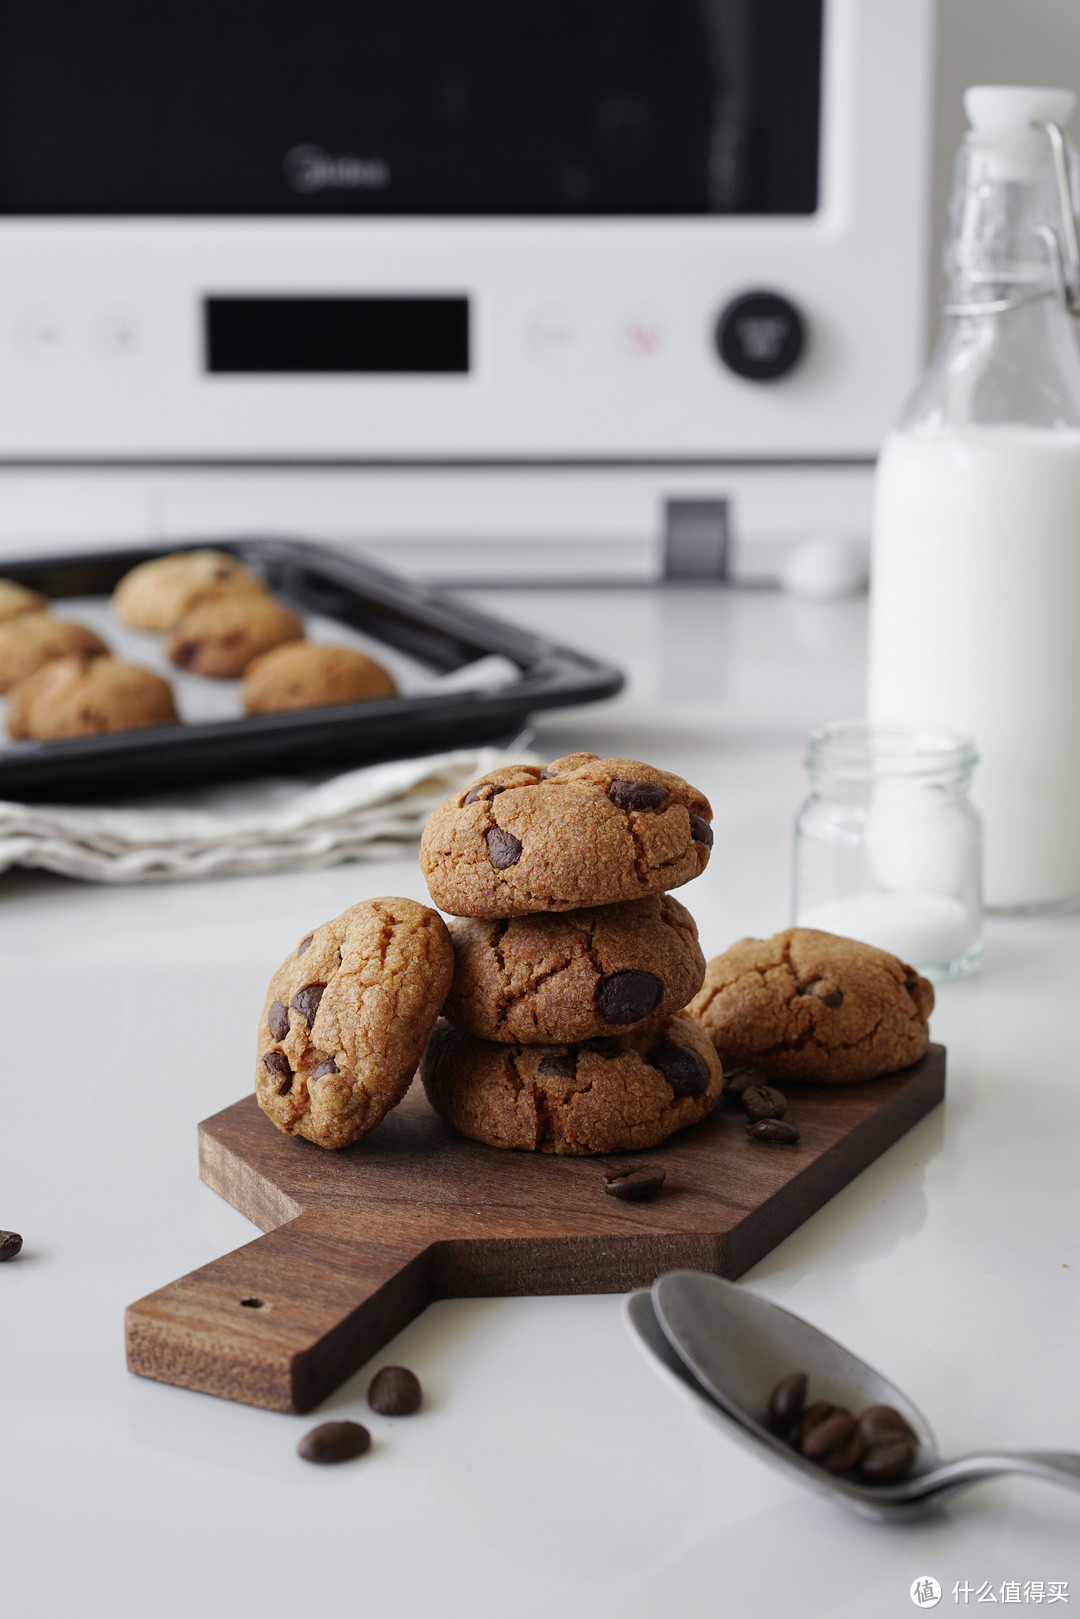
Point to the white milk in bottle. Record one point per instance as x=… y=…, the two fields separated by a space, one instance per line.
x=975 y=597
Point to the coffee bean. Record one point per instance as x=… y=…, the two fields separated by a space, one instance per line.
x=632 y=1185
x=737 y=1080
x=604 y=1045
x=628 y=996
x=683 y=1069
x=638 y=795
x=334 y=1442
x=559 y=1065
x=503 y=848
x=10 y=1244
x=483 y=789
x=825 y=991
x=302 y=946
x=786 y=1402
x=306 y=1001
x=701 y=830
x=880 y=1423
x=777 y=1130
x=327 y=1066
x=888 y=1462
x=395 y=1392
x=278 y=1019
x=276 y=1062
x=763 y=1102
x=845 y=1457
x=812 y=1417
x=817 y=1440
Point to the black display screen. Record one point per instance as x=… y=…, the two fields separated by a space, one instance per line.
x=357 y=335
x=420 y=107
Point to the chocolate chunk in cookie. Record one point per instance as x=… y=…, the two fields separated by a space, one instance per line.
x=813 y=1006
x=582 y=831
x=533 y=1098
x=574 y=975
x=347 y=1017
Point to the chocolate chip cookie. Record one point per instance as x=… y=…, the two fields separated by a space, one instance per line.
x=583 y=831
x=220 y=636
x=813 y=1006
x=619 y=1093
x=305 y=674
x=157 y=594
x=571 y=975
x=81 y=695
x=16 y=599
x=34 y=639
x=347 y=1016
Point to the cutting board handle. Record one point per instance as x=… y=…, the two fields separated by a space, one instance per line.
x=284 y=1320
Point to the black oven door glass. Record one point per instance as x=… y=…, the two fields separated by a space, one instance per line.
x=423 y=107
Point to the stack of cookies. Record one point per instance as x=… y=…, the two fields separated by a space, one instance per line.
x=563 y=1030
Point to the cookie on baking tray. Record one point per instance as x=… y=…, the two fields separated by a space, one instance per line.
x=572 y=975
x=156 y=594
x=813 y=1006
x=620 y=1093
x=347 y=1017
x=16 y=599
x=34 y=639
x=82 y=695
x=308 y=674
x=221 y=635
x=583 y=831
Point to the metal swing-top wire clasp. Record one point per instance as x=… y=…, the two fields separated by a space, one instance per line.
x=1064 y=263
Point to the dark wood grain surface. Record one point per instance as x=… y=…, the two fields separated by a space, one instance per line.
x=360 y=1241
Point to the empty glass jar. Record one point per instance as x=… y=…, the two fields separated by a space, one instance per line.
x=888 y=848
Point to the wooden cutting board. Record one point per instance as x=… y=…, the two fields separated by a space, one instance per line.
x=360 y=1241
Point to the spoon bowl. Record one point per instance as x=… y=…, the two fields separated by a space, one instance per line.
x=726 y=1348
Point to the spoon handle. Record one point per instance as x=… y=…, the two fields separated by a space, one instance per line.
x=1052 y=1466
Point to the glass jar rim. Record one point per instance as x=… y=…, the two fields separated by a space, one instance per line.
x=861 y=749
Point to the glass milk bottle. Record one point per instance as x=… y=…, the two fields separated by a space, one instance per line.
x=975 y=596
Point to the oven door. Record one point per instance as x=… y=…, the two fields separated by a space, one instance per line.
x=419 y=107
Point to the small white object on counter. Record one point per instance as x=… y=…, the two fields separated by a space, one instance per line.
x=826 y=567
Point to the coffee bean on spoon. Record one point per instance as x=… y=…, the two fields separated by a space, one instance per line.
x=879 y=1423
x=786 y=1402
x=833 y=1439
x=887 y=1462
x=777 y=1130
x=763 y=1102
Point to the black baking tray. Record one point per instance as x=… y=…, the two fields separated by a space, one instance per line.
x=429 y=626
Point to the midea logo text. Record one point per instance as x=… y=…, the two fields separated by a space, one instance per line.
x=309 y=169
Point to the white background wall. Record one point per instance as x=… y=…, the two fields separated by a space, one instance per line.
x=996 y=42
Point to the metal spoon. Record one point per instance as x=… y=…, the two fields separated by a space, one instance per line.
x=728 y=1348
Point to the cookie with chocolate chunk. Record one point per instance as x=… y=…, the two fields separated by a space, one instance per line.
x=347 y=1016
x=306 y=674
x=814 y=1006
x=32 y=640
x=220 y=636
x=572 y=975
x=156 y=594
x=618 y=1093
x=81 y=695
x=17 y=599
x=583 y=831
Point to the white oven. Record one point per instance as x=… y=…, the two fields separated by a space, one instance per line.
x=583 y=286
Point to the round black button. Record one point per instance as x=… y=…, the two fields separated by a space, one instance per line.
x=760 y=335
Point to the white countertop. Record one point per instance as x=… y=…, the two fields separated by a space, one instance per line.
x=550 y=1471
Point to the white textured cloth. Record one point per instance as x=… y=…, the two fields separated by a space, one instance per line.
x=366 y=814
